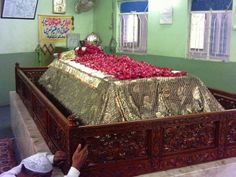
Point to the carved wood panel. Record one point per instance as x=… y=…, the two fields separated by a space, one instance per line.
x=188 y=159
x=226 y=103
x=188 y=137
x=34 y=75
x=231 y=132
x=27 y=97
x=116 y=146
x=156 y=146
x=156 y=141
x=19 y=88
x=18 y=85
x=39 y=112
x=57 y=133
x=230 y=151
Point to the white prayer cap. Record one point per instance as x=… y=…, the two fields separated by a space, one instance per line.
x=38 y=163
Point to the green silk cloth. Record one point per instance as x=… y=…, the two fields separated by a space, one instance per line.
x=102 y=100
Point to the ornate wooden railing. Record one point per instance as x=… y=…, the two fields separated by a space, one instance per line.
x=132 y=148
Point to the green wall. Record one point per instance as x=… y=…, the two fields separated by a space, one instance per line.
x=168 y=44
x=7 y=72
x=168 y=40
x=19 y=38
x=102 y=20
x=233 y=34
x=163 y=40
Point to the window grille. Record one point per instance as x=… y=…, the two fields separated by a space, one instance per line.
x=133 y=32
x=210 y=29
x=133 y=26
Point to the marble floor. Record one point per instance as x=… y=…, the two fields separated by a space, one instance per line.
x=221 y=168
x=5 y=125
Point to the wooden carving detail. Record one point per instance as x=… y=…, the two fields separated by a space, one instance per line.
x=39 y=112
x=231 y=132
x=227 y=100
x=186 y=137
x=56 y=133
x=156 y=141
x=34 y=75
x=226 y=103
x=19 y=86
x=52 y=147
x=117 y=146
x=188 y=159
x=230 y=151
x=27 y=96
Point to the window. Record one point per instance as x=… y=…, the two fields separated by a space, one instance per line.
x=133 y=26
x=197 y=32
x=210 y=29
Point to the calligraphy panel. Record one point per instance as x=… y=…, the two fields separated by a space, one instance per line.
x=54 y=28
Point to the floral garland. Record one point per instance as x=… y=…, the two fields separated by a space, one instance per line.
x=121 y=67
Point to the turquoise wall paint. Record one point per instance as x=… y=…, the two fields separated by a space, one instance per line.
x=168 y=44
x=102 y=20
x=19 y=38
x=233 y=44
x=164 y=40
x=7 y=72
x=168 y=40
x=233 y=34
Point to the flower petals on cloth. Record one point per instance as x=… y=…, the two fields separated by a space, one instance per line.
x=121 y=67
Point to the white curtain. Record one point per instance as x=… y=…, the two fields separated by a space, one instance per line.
x=134 y=32
x=210 y=34
x=220 y=34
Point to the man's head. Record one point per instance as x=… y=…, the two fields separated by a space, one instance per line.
x=36 y=165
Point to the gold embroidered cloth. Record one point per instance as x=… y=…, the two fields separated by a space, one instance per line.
x=101 y=99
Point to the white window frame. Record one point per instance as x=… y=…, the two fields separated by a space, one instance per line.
x=205 y=52
x=139 y=46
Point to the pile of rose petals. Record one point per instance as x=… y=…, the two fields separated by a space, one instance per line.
x=121 y=67
x=88 y=49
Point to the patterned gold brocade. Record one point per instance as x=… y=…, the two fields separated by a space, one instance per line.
x=106 y=100
x=69 y=55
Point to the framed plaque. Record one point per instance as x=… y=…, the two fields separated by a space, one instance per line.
x=19 y=9
x=166 y=15
x=72 y=40
x=59 y=6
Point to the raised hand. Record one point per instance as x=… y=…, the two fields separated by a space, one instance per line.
x=79 y=156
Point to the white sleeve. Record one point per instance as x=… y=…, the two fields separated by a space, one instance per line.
x=73 y=172
x=13 y=172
